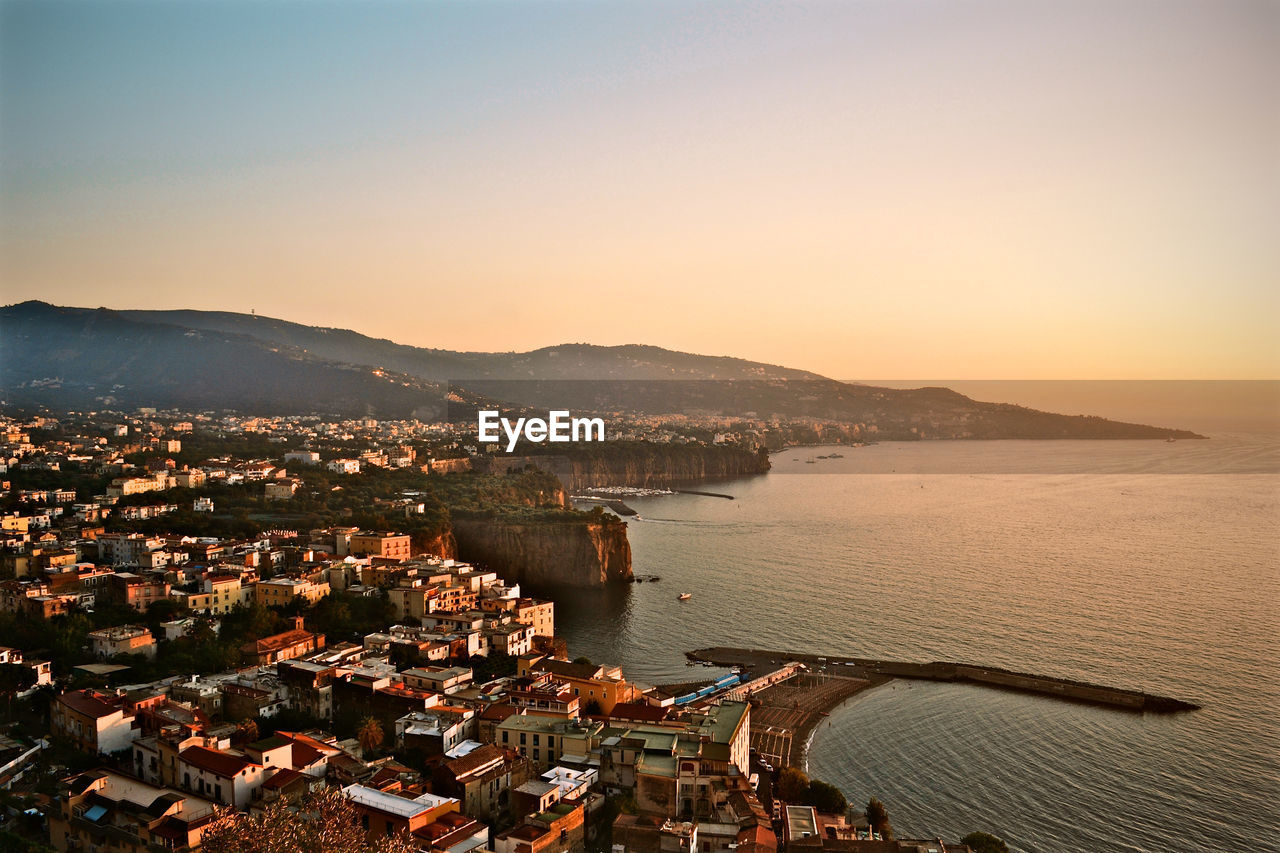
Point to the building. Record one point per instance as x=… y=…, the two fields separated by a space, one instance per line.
x=102 y=810
x=123 y=640
x=200 y=694
x=134 y=590
x=42 y=670
x=598 y=686
x=222 y=776
x=548 y=741
x=560 y=829
x=539 y=615
x=344 y=466
x=279 y=592
x=482 y=779
x=435 y=821
x=284 y=646
x=189 y=478
x=126 y=549
x=95 y=722
x=217 y=594
x=281 y=490
x=440 y=679
x=686 y=772
x=394 y=546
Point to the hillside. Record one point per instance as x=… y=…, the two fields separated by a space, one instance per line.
x=85 y=358
x=82 y=358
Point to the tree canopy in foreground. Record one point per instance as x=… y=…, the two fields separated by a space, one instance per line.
x=324 y=822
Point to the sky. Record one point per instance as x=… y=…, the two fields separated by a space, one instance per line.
x=983 y=189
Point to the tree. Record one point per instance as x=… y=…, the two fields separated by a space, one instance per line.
x=325 y=822
x=14 y=678
x=246 y=731
x=370 y=734
x=985 y=842
x=793 y=785
x=878 y=819
x=826 y=798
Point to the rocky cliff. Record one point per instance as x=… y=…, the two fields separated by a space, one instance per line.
x=652 y=466
x=443 y=545
x=574 y=553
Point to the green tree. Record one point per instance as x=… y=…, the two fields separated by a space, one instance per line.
x=878 y=818
x=370 y=734
x=14 y=677
x=793 y=785
x=825 y=798
x=985 y=842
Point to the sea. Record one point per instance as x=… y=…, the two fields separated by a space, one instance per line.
x=1142 y=564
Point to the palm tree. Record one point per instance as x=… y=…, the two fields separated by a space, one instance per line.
x=369 y=734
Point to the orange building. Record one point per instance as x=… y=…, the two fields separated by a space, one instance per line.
x=434 y=822
x=284 y=646
x=395 y=546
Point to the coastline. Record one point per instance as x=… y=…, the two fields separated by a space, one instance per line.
x=806 y=733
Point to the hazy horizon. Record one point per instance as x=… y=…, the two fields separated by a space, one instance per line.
x=975 y=189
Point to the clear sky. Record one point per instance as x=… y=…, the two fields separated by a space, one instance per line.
x=888 y=188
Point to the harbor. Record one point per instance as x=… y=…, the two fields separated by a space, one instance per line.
x=791 y=694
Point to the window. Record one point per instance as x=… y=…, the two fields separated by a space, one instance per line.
x=535 y=740
x=522 y=738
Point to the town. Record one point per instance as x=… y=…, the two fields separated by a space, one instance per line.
x=171 y=668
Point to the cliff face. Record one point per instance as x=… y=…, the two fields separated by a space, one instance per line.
x=651 y=466
x=443 y=545
x=659 y=469
x=550 y=553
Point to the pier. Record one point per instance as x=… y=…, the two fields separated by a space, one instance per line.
x=989 y=676
x=614 y=504
x=792 y=694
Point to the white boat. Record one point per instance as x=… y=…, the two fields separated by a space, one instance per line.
x=685 y=596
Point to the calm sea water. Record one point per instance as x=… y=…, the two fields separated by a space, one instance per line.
x=1138 y=564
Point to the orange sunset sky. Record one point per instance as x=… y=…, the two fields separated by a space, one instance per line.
x=972 y=189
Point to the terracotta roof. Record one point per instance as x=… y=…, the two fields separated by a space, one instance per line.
x=474 y=760
x=319 y=746
x=499 y=712
x=88 y=703
x=220 y=763
x=639 y=711
x=304 y=755
x=277 y=642
x=282 y=778
x=565 y=669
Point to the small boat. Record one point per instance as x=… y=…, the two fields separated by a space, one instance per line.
x=1170 y=440
x=684 y=596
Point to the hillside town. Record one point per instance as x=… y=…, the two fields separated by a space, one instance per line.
x=161 y=681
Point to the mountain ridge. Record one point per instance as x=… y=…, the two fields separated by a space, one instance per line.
x=197 y=360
